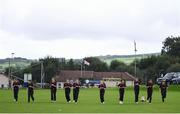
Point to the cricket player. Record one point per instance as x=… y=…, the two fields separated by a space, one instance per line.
x=163 y=87
x=67 y=87
x=149 y=86
x=122 y=86
x=53 y=90
x=15 y=89
x=136 y=89
x=102 y=88
x=76 y=87
x=30 y=91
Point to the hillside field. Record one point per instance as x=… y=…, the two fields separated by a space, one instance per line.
x=128 y=59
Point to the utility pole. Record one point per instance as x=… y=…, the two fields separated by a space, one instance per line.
x=42 y=75
x=81 y=70
x=135 y=50
x=10 y=70
x=84 y=70
x=12 y=58
x=82 y=62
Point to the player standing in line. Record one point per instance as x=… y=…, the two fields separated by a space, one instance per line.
x=136 y=90
x=122 y=86
x=102 y=88
x=67 y=87
x=53 y=90
x=76 y=87
x=163 y=87
x=149 y=86
x=15 y=89
x=30 y=91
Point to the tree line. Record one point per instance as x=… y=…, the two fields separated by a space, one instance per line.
x=150 y=67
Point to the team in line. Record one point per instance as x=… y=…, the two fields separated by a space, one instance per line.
x=122 y=85
x=102 y=86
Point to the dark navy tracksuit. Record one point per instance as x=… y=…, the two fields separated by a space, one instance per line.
x=163 y=88
x=102 y=91
x=30 y=91
x=122 y=87
x=53 y=91
x=76 y=87
x=136 y=90
x=16 y=90
x=149 y=91
x=67 y=87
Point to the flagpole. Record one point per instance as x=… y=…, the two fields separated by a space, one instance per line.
x=81 y=68
x=84 y=70
x=84 y=67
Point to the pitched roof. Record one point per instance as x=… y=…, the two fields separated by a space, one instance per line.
x=76 y=74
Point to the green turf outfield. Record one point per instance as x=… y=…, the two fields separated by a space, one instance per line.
x=89 y=102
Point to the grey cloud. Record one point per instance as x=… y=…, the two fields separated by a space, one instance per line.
x=45 y=24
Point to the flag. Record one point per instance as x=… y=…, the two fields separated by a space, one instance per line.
x=86 y=63
x=135 y=46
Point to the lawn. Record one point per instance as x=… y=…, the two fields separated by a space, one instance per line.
x=89 y=102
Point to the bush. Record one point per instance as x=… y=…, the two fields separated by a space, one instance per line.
x=174 y=68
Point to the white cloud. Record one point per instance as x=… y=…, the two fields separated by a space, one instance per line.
x=78 y=28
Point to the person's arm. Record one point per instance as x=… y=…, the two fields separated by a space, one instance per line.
x=74 y=85
x=50 y=84
x=64 y=85
x=31 y=86
x=54 y=85
x=13 y=85
x=139 y=84
x=27 y=86
x=160 y=87
x=18 y=85
x=70 y=85
x=123 y=86
x=118 y=85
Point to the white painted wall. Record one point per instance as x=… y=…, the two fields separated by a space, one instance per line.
x=4 y=81
x=115 y=83
x=60 y=85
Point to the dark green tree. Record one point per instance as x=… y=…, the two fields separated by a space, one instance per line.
x=116 y=65
x=51 y=67
x=171 y=46
x=174 y=68
x=96 y=64
x=70 y=64
x=146 y=62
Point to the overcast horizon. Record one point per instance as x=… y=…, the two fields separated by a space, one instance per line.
x=81 y=28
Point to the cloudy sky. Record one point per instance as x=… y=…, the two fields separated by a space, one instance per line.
x=79 y=28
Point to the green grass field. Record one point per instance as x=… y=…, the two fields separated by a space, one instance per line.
x=89 y=102
x=126 y=60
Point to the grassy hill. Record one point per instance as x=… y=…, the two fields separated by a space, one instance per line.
x=125 y=58
x=18 y=62
x=23 y=62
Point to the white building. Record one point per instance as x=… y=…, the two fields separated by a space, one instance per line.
x=4 y=81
